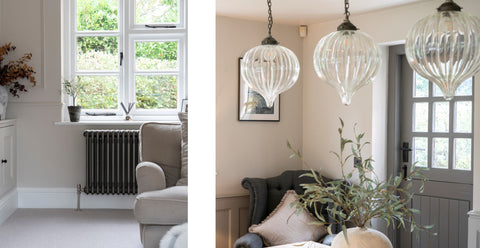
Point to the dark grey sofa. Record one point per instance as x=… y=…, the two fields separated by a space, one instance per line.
x=265 y=195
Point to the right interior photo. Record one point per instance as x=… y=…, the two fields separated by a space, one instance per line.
x=347 y=123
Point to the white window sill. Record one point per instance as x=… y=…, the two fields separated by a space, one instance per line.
x=109 y=123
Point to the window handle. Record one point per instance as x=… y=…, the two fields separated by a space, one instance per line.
x=159 y=26
x=121 y=58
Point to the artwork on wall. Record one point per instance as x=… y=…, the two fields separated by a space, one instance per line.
x=252 y=106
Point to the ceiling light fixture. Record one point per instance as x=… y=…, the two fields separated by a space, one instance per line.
x=445 y=47
x=270 y=69
x=347 y=59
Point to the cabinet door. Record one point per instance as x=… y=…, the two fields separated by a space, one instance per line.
x=7 y=159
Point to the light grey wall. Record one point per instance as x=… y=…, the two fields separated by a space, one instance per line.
x=49 y=156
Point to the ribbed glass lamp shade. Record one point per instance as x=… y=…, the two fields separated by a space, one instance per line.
x=445 y=49
x=347 y=60
x=270 y=70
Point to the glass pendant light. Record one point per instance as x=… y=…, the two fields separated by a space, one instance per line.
x=347 y=59
x=270 y=69
x=445 y=47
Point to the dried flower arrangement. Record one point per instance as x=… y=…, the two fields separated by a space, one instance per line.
x=14 y=70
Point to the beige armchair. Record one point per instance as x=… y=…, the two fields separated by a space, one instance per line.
x=160 y=203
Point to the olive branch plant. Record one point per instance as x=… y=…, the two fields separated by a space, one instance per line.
x=73 y=88
x=359 y=203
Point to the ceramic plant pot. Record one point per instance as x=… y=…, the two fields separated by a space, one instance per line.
x=74 y=112
x=361 y=238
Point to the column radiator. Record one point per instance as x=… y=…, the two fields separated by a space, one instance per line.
x=112 y=156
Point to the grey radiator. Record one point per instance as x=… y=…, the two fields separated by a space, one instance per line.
x=112 y=156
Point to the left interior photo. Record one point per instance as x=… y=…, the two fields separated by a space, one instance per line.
x=93 y=123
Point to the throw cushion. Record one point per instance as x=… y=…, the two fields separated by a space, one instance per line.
x=183 y=116
x=284 y=226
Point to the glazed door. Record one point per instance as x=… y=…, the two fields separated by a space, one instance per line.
x=436 y=134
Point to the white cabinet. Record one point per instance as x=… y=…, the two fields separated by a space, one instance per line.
x=8 y=171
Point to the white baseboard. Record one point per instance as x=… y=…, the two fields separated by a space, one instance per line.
x=67 y=198
x=8 y=205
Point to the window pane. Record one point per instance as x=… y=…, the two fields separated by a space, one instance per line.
x=156 y=11
x=420 y=117
x=441 y=116
x=463 y=117
x=156 y=56
x=97 y=53
x=436 y=90
x=420 y=151
x=463 y=154
x=156 y=92
x=97 y=15
x=465 y=89
x=101 y=92
x=420 y=86
x=440 y=153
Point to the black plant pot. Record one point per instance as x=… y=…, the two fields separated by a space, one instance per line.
x=74 y=112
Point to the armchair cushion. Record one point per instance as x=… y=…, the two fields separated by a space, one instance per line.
x=161 y=144
x=284 y=225
x=162 y=207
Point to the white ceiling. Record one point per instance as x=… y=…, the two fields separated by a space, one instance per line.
x=297 y=12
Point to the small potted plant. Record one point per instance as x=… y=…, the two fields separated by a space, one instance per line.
x=359 y=197
x=73 y=88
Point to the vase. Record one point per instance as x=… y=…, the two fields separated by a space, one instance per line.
x=361 y=238
x=3 y=102
x=74 y=112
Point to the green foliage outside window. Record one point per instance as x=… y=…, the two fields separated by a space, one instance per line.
x=101 y=53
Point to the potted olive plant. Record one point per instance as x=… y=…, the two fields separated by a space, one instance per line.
x=359 y=197
x=73 y=88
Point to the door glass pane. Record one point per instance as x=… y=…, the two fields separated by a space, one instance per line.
x=420 y=151
x=463 y=117
x=420 y=88
x=440 y=153
x=97 y=53
x=156 y=92
x=441 y=116
x=97 y=15
x=101 y=92
x=158 y=56
x=463 y=157
x=465 y=89
x=420 y=117
x=156 y=11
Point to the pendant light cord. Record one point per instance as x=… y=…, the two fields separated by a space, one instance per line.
x=269 y=40
x=347 y=13
x=270 y=18
x=346 y=24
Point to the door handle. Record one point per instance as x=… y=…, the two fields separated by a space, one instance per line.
x=405 y=150
x=4 y=161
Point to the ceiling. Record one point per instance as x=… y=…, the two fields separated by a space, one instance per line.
x=298 y=12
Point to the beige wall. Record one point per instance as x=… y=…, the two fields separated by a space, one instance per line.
x=251 y=149
x=322 y=106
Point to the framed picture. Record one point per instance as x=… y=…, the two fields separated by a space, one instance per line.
x=251 y=105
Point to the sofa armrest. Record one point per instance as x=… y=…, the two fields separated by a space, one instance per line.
x=249 y=240
x=150 y=176
x=257 y=188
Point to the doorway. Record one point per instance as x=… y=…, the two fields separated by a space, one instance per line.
x=431 y=132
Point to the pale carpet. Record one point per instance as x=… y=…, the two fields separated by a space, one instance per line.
x=65 y=228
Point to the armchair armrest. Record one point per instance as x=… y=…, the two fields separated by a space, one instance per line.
x=150 y=176
x=249 y=240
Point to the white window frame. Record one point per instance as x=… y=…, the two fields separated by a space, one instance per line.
x=128 y=33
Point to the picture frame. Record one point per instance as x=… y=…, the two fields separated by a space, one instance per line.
x=251 y=105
